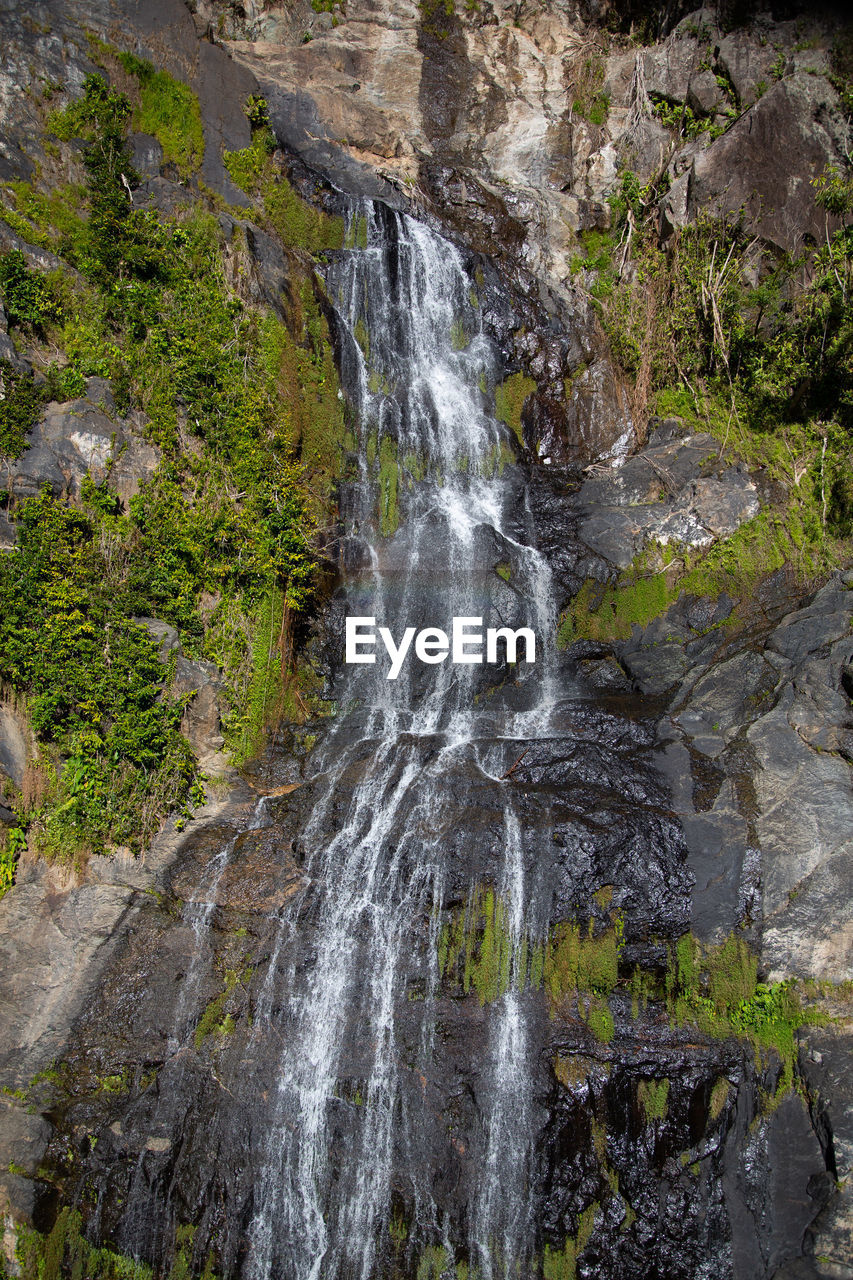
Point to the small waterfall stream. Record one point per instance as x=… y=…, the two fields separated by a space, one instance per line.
x=415 y=365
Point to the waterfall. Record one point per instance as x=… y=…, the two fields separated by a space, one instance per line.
x=419 y=373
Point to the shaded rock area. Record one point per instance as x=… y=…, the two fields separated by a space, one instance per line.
x=58 y=930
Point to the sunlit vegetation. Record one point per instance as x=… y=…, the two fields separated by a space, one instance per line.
x=243 y=405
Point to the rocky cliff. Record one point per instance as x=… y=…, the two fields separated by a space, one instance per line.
x=650 y=214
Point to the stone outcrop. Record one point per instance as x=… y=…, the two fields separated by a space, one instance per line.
x=200 y=684
x=79 y=439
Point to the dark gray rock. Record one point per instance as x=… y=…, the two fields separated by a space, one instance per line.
x=79 y=439
x=746 y=63
x=658 y=668
x=147 y=154
x=732 y=175
x=704 y=94
x=670 y=67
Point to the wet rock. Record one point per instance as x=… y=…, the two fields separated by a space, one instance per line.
x=824 y=1061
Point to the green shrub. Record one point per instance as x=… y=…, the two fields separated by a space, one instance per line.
x=170 y=111
x=93 y=682
x=27 y=295
x=20 y=406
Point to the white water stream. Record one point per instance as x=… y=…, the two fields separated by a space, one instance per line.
x=376 y=846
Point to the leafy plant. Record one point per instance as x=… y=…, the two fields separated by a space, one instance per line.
x=28 y=296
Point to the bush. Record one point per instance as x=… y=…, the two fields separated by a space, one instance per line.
x=28 y=296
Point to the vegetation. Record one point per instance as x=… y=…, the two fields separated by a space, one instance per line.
x=243 y=405
x=255 y=171
x=510 y=396
x=561 y=1264
x=477 y=950
x=765 y=367
x=652 y=1096
x=589 y=101
x=113 y=755
x=170 y=111
x=65 y=1251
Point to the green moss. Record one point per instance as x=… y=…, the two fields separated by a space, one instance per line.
x=170 y=111
x=459 y=338
x=735 y=565
x=653 y=1096
x=561 y=1264
x=296 y=223
x=65 y=1252
x=504 y=570
x=476 y=949
x=577 y=960
x=719 y=1097
x=510 y=396
x=600 y=1020
x=389 y=516
x=214 y=1018
x=433 y=1263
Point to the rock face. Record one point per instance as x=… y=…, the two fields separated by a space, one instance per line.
x=531 y=116
x=84 y=437
x=698 y=773
x=675 y=490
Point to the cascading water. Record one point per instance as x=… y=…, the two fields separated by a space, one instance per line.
x=414 y=362
x=371 y=1070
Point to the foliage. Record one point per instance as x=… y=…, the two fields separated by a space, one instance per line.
x=756 y=349
x=20 y=406
x=64 y=1251
x=93 y=679
x=682 y=119
x=294 y=221
x=510 y=396
x=12 y=844
x=717 y=988
x=170 y=111
x=114 y=242
x=27 y=295
x=218 y=542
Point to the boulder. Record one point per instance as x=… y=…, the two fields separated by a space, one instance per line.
x=77 y=439
x=744 y=171
x=671 y=491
